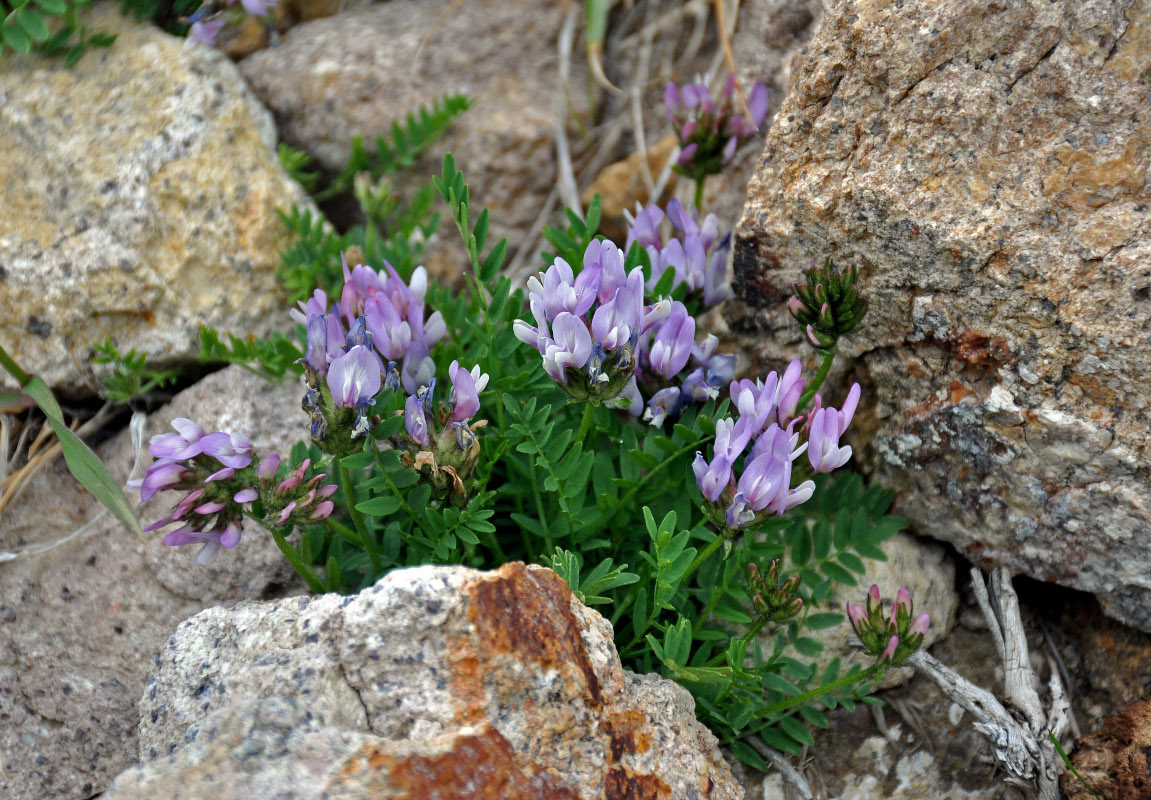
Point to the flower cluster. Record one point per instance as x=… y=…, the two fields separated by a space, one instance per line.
x=602 y=341
x=710 y=132
x=216 y=470
x=768 y=415
x=207 y=23
x=827 y=305
x=770 y=600
x=344 y=371
x=889 y=637
x=588 y=327
x=439 y=442
x=696 y=254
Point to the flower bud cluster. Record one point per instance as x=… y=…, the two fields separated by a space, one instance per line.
x=772 y=601
x=438 y=441
x=827 y=304
x=696 y=254
x=890 y=637
x=216 y=470
x=767 y=421
x=711 y=130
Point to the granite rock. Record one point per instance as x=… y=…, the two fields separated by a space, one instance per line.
x=986 y=169
x=356 y=73
x=81 y=623
x=140 y=190
x=433 y=674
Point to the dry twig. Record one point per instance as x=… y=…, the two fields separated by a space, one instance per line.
x=1019 y=740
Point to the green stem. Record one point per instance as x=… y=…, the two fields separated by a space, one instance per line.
x=305 y=570
x=820 y=377
x=703 y=556
x=13 y=368
x=699 y=194
x=369 y=542
x=585 y=423
x=800 y=699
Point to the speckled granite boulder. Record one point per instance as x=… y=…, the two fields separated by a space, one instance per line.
x=436 y=682
x=356 y=73
x=81 y=623
x=986 y=169
x=139 y=195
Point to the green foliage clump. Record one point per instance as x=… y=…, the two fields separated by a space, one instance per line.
x=612 y=507
x=51 y=27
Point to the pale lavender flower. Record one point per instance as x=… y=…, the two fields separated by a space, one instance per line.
x=644 y=227
x=732 y=436
x=824 y=451
x=415 y=421
x=316 y=304
x=258 y=8
x=391 y=334
x=354 y=375
x=163 y=474
x=763 y=480
x=230 y=449
x=571 y=347
x=181 y=445
x=755 y=400
x=790 y=389
x=557 y=290
x=465 y=391
x=673 y=343
x=205 y=31
x=613 y=323
x=603 y=264
x=712 y=478
x=662 y=404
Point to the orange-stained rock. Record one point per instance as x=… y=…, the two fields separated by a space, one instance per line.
x=1116 y=761
x=437 y=683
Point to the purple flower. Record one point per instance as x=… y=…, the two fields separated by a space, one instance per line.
x=178 y=446
x=662 y=404
x=731 y=437
x=419 y=368
x=603 y=264
x=391 y=335
x=757 y=104
x=258 y=8
x=708 y=131
x=230 y=449
x=205 y=32
x=712 y=478
x=559 y=289
x=755 y=400
x=316 y=304
x=644 y=228
x=354 y=375
x=790 y=389
x=571 y=347
x=415 y=421
x=673 y=343
x=763 y=480
x=613 y=323
x=823 y=450
x=465 y=391
x=163 y=474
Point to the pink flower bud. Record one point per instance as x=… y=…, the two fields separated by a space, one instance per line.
x=268 y=466
x=919 y=625
x=323 y=510
x=889 y=651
